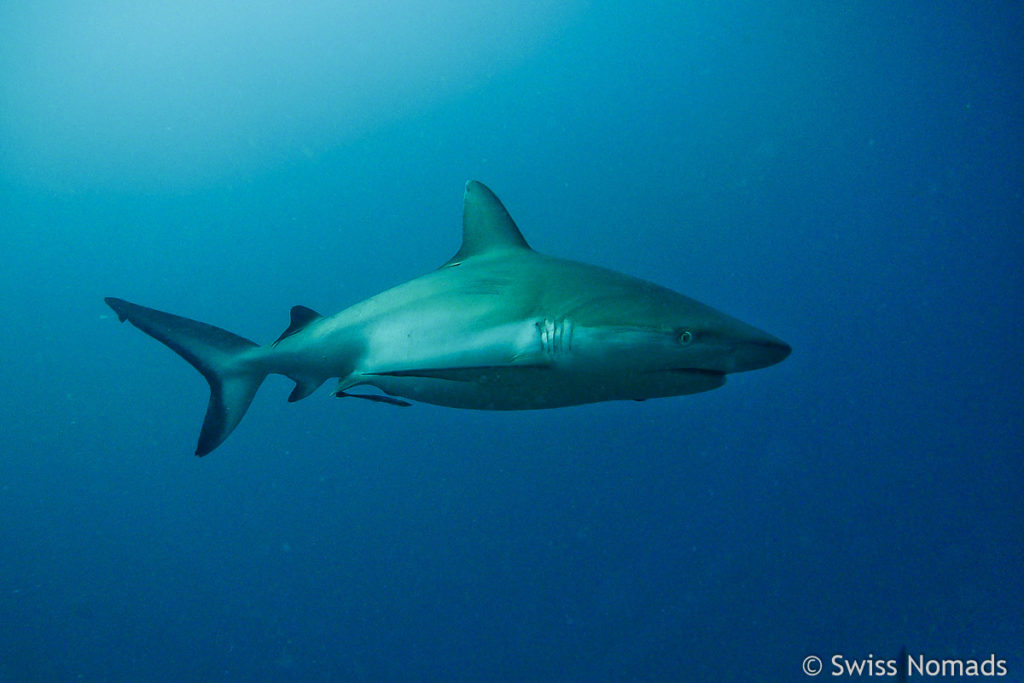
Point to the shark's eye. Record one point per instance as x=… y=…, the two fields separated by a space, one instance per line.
x=684 y=337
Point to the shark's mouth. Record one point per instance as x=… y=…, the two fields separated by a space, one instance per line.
x=695 y=371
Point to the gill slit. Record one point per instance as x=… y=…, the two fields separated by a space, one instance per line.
x=555 y=336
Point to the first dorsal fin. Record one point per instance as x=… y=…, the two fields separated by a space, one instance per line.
x=301 y=317
x=486 y=225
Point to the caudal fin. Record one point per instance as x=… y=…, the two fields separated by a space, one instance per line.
x=218 y=354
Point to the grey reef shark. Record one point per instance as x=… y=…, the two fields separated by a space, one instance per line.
x=498 y=327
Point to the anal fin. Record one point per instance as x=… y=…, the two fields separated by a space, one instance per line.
x=303 y=388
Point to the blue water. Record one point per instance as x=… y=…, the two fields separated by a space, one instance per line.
x=847 y=176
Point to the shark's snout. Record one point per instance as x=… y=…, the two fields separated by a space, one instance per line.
x=759 y=351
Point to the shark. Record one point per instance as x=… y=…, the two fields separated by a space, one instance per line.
x=499 y=326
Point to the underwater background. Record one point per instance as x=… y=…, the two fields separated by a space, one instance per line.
x=846 y=176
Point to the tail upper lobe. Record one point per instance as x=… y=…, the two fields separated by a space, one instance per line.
x=219 y=355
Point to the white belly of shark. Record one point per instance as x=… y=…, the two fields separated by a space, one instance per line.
x=497 y=327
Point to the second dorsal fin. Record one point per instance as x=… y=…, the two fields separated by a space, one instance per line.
x=301 y=317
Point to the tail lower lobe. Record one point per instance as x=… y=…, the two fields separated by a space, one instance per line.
x=217 y=354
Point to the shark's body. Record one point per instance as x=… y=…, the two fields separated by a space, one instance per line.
x=498 y=327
